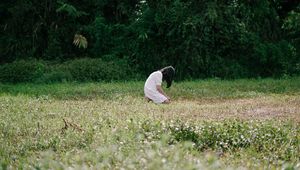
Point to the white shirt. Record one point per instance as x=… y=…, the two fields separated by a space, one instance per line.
x=150 y=89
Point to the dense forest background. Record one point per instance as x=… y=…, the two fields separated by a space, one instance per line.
x=103 y=40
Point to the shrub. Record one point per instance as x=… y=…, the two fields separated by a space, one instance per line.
x=98 y=70
x=22 y=71
x=55 y=76
x=273 y=59
x=107 y=69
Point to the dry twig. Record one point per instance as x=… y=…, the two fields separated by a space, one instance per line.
x=72 y=125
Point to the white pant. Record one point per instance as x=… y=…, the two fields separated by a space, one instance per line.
x=155 y=96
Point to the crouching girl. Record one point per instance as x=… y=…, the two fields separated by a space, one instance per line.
x=153 y=90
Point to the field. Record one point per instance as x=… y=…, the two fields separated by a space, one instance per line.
x=210 y=124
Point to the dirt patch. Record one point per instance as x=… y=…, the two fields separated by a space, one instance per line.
x=263 y=108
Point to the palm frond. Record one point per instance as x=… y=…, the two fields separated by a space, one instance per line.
x=80 y=41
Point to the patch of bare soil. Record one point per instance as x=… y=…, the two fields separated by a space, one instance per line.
x=262 y=108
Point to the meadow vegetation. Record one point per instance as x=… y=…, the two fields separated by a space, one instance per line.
x=210 y=124
x=72 y=76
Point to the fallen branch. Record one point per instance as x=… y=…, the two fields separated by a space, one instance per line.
x=72 y=125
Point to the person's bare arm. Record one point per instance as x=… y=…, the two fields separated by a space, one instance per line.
x=160 y=90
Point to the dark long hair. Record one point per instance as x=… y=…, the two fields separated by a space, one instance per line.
x=168 y=75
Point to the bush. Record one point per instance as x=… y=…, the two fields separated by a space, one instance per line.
x=98 y=70
x=56 y=74
x=107 y=69
x=273 y=59
x=22 y=71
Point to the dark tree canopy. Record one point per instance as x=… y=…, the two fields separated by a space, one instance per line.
x=219 y=38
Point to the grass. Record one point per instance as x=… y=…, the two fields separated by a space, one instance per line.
x=201 y=89
x=210 y=124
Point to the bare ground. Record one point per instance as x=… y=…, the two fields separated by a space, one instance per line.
x=261 y=108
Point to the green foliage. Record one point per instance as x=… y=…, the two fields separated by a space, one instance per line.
x=70 y=10
x=87 y=69
x=98 y=70
x=274 y=59
x=226 y=39
x=204 y=39
x=22 y=71
x=291 y=26
x=55 y=75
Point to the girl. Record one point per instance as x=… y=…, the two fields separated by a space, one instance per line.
x=152 y=89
